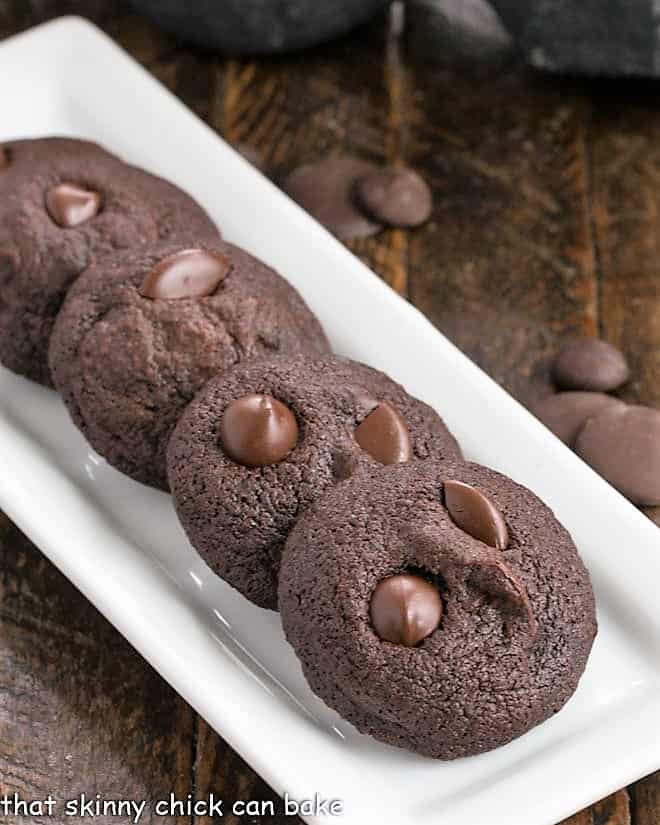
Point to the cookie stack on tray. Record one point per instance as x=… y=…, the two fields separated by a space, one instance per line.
x=434 y=603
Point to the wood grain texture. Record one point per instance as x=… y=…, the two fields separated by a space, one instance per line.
x=626 y=193
x=546 y=201
x=645 y=800
x=613 y=810
x=507 y=263
x=80 y=711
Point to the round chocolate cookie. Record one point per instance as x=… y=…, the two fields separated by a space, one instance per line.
x=142 y=331
x=63 y=204
x=262 y=442
x=439 y=607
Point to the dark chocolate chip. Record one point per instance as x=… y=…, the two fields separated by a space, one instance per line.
x=395 y=196
x=4 y=158
x=566 y=412
x=325 y=190
x=623 y=445
x=257 y=430
x=384 y=435
x=251 y=155
x=476 y=514
x=590 y=364
x=405 y=609
x=191 y=273
x=70 y=205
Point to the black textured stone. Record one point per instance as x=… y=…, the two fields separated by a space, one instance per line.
x=258 y=26
x=593 y=37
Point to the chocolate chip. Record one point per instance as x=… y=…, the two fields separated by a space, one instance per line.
x=476 y=514
x=395 y=196
x=623 y=445
x=191 y=273
x=257 y=430
x=325 y=190
x=70 y=205
x=405 y=609
x=4 y=158
x=566 y=412
x=590 y=364
x=251 y=155
x=384 y=435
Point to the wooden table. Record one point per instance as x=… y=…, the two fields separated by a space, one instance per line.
x=546 y=222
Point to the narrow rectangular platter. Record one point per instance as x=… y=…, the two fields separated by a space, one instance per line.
x=121 y=545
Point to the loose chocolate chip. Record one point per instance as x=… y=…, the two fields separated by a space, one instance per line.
x=70 y=205
x=590 y=364
x=396 y=197
x=325 y=190
x=251 y=155
x=405 y=609
x=191 y=273
x=476 y=514
x=623 y=445
x=384 y=435
x=566 y=412
x=4 y=158
x=257 y=430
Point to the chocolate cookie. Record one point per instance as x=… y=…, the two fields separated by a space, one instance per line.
x=143 y=330
x=438 y=607
x=63 y=204
x=262 y=442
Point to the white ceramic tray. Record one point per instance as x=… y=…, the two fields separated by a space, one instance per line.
x=121 y=545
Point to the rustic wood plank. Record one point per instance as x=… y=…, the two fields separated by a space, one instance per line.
x=645 y=800
x=506 y=264
x=510 y=245
x=626 y=186
x=342 y=98
x=613 y=810
x=220 y=771
x=80 y=711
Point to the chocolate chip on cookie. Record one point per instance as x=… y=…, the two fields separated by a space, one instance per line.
x=263 y=441
x=143 y=330
x=65 y=204
x=418 y=632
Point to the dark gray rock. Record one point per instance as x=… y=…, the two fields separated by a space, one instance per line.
x=593 y=37
x=445 y=29
x=258 y=26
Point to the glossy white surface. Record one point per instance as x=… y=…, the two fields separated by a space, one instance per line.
x=121 y=545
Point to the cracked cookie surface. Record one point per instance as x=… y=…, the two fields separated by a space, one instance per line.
x=47 y=238
x=516 y=629
x=238 y=517
x=127 y=364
